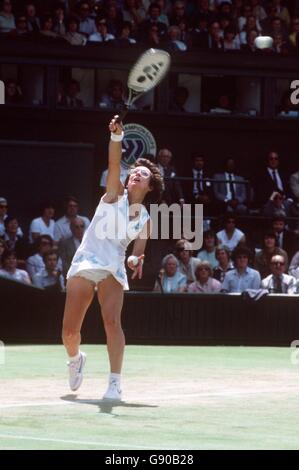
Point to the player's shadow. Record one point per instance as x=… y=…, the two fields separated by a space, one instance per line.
x=105 y=406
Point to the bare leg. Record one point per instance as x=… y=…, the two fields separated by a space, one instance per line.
x=79 y=295
x=110 y=296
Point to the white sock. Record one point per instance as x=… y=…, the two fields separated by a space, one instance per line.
x=75 y=358
x=114 y=378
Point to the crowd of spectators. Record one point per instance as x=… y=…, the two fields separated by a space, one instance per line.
x=178 y=25
x=231 y=259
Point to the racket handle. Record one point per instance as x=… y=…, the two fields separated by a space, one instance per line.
x=123 y=113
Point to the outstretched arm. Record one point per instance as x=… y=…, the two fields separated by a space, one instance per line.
x=114 y=186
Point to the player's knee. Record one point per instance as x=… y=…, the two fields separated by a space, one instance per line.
x=111 y=322
x=69 y=334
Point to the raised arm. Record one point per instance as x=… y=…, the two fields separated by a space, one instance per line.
x=114 y=187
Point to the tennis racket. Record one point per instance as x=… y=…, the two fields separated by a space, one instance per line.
x=146 y=73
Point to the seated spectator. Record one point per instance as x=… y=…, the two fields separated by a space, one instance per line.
x=69 y=246
x=257 y=10
x=152 y=37
x=179 y=99
x=209 y=248
x=14 y=241
x=7 y=19
x=9 y=268
x=13 y=93
x=277 y=205
x=187 y=263
x=278 y=282
x=62 y=228
x=294 y=31
x=115 y=96
x=43 y=225
x=269 y=179
x=59 y=26
x=154 y=12
x=204 y=281
x=35 y=263
x=249 y=45
x=170 y=279
x=231 y=40
x=241 y=277
x=46 y=30
x=21 y=26
x=71 y=97
x=230 y=193
x=72 y=35
x=285 y=239
x=199 y=190
x=49 y=277
x=251 y=24
x=124 y=36
x=33 y=21
x=282 y=12
x=2 y=249
x=280 y=45
x=215 y=38
x=3 y=216
x=114 y=18
x=86 y=23
x=294 y=266
x=172 y=187
x=102 y=34
x=173 y=41
x=262 y=261
x=134 y=12
x=224 y=263
x=230 y=236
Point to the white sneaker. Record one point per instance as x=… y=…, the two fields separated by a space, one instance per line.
x=75 y=372
x=113 y=391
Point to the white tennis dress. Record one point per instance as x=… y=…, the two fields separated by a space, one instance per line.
x=104 y=244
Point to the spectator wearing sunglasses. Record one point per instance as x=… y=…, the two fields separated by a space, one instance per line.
x=204 y=281
x=278 y=282
x=242 y=277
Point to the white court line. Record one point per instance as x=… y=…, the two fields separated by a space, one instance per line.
x=83 y=443
x=155 y=399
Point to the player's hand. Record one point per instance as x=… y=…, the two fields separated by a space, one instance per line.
x=137 y=270
x=115 y=126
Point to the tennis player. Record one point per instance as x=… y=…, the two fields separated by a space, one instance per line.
x=120 y=217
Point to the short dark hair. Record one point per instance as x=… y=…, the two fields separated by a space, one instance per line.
x=279 y=218
x=8 y=254
x=241 y=250
x=49 y=253
x=9 y=219
x=68 y=199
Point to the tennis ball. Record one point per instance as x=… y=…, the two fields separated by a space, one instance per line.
x=134 y=260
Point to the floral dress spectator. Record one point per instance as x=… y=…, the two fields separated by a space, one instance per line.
x=170 y=279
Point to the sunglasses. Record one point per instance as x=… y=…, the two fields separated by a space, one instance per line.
x=144 y=173
x=79 y=226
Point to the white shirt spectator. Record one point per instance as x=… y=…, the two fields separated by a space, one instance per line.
x=43 y=279
x=237 y=283
x=38 y=226
x=288 y=284
x=62 y=227
x=7 y=23
x=19 y=275
x=230 y=243
x=97 y=37
x=35 y=264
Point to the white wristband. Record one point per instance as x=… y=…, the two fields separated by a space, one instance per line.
x=117 y=137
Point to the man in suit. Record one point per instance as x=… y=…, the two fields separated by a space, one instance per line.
x=231 y=194
x=285 y=239
x=270 y=180
x=199 y=190
x=68 y=246
x=172 y=187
